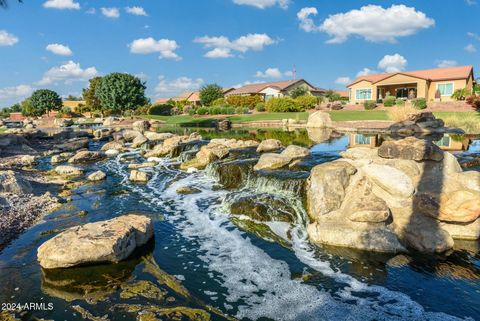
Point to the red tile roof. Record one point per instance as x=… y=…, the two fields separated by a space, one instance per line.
x=258 y=87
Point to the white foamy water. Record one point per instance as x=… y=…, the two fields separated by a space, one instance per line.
x=257 y=284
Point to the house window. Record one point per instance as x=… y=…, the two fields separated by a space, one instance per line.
x=363 y=94
x=362 y=139
x=445 y=89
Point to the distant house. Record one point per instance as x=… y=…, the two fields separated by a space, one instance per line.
x=192 y=97
x=412 y=84
x=16 y=117
x=276 y=89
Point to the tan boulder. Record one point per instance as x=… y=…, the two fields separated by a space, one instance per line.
x=113 y=145
x=319 y=119
x=272 y=161
x=138 y=176
x=86 y=156
x=459 y=207
x=390 y=179
x=294 y=151
x=411 y=148
x=139 y=141
x=269 y=145
x=67 y=170
x=97 y=176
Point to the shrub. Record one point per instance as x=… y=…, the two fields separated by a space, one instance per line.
x=306 y=102
x=471 y=125
x=369 y=104
x=219 y=102
x=461 y=94
x=473 y=101
x=161 y=110
x=215 y=110
x=243 y=101
x=202 y=110
x=400 y=113
x=400 y=102
x=210 y=93
x=282 y=104
x=191 y=111
x=241 y=110
x=389 y=101
x=260 y=107
x=419 y=103
x=299 y=92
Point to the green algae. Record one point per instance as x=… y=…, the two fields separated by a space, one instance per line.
x=144 y=289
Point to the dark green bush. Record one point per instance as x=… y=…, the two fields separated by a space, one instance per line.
x=282 y=104
x=369 y=104
x=219 y=102
x=202 y=110
x=419 y=103
x=260 y=107
x=400 y=102
x=161 y=110
x=241 y=110
x=215 y=110
x=389 y=101
x=191 y=111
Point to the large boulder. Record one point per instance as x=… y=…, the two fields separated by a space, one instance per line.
x=105 y=241
x=67 y=170
x=272 y=161
x=141 y=125
x=458 y=207
x=129 y=134
x=139 y=141
x=73 y=144
x=86 y=156
x=113 y=145
x=11 y=182
x=411 y=148
x=294 y=151
x=207 y=154
x=466 y=231
x=97 y=176
x=390 y=179
x=269 y=145
x=319 y=119
x=102 y=133
x=153 y=136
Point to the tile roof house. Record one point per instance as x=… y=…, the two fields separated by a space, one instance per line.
x=412 y=84
x=275 y=89
x=192 y=97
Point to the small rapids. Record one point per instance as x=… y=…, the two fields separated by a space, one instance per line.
x=253 y=283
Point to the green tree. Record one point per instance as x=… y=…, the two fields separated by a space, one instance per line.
x=73 y=98
x=45 y=100
x=298 y=92
x=210 y=93
x=120 y=92
x=92 y=103
x=332 y=95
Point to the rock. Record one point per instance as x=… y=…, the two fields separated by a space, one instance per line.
x=137 y=176
x=11 y=143
x=370 y=216
x=109 y=121
x=264 y=208
x=142 y=165
x=61 y=158
x=224 y=125
x=269 y=145
x=469 y=180
x=113 y=145
x=111 y=152
x=129 y=135
x=188 y=190
x=426 y=236
x=141 y=125
x=272 y=161
x=105 y=241
x=139 y=141
x=153 y=136
x=458 y=207
x=67 y=170
x=86 y=156
x=465 y=231
x=27 y=160
x=294 y=151
x=360 y=153
x=411 y=148
x=63 y=122
x=390 y=179
x=206 y=155
x=102 y=133
x=319 y=119
x=158 y=151
x=11 y=182
x=73 y=144
x=326 y=187
x=97 y=176
x=234 y=173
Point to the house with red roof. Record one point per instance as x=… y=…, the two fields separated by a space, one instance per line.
x=276 y=89
x=412 y=84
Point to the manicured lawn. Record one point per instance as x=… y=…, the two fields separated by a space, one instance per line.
x=359 y=115
x=268 y=116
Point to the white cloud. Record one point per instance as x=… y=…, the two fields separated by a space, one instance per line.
x=262 y=4
x=110 y=12
x=15 y=92
x=7 y=39
x=176 y=86
x=471 y=2
x=343 y=81
x=137 y=11
x=446 y=63
x=373 y=23
x=392 y=63
x=470 y=48
x=272 y=73
x=222 y=46
x=61 y=4
x=68 y=73
x=473 y=35
x=142 y=76
x=365 y=72
x=59 y=49
x=165 y=47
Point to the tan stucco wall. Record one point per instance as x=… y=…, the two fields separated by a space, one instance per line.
x=422 y=85
x=457 y=84
x=362 y=85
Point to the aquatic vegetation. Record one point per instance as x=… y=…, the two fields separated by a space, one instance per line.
x=142 y=288
x=89 y=316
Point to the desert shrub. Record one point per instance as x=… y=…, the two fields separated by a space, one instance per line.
x=215 y=110
x=461 y=94
x=202 y=110
x=282 y=104
x=471 y=125
x=260 y=107
x=369 y=104
x=191 y=111
x=186 y=109
x=419 y=103
x=473 y=101
x=400 y=113
x=389 y=101
x=400 y=102
x=219 y=102
x=241 y=110
x=243 y=101
x=306 y=102
x=161 y=110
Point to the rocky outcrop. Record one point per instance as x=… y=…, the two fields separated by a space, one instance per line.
x=156 y=137
x=170 y=144
x=294 y=152
x=73 y=144
x=139 y=141
x=67 y=170
x=86 y=156
x=61 y=158
x=319 y=119
x=97 y=176
x=11 y=182
x=272 y=161
x=207 y=154
x=105 y=241
x=423 y=122
x=113 y=145
x=102 y=133
x=138 y=176
x=269 y=145
x=141 y=125
x=411 y=148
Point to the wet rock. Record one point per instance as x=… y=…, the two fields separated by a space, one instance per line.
x=390 y=179
x=138 y=141
x=319 y=119
x=113 y=145
x=11 y=182
x=206 y=155
x=233 y=174
x=97 y=176
x=463 y=231
x=188 y=190
x=129 y=134
x=61 y=158
x=154 y=137
x=66 y=170
x=86 y=156
x=294 y=151
x=73 y=144
x=272 y=161
x=111 y=152
x=105 y=241
x=142 y=165
x=141 y=125
x=138 y=176
x=27 y=160
x=411 y=148
x=269 y=145
x=264 y=208
x=102 y=133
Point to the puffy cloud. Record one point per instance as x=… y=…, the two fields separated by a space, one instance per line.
x=471 y=2
x=15 y=92
x=110 y=12
x=68 y=73
x=61 y=4
x=222 y=46
x=272 y=73
x=262 y=4
x=446 y=63
x=473 y=35
x=7 y=39
x=174 y=87
x=470 y=48
x=137 y=11
x=165 y=47
x=373 y=23
x=343 y=81
x=392 y=63
x=365 y=72
x=59 y=49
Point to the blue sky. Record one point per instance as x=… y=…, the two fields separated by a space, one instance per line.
x=178 y=45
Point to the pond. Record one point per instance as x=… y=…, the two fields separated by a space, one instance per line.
x=202 y=259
